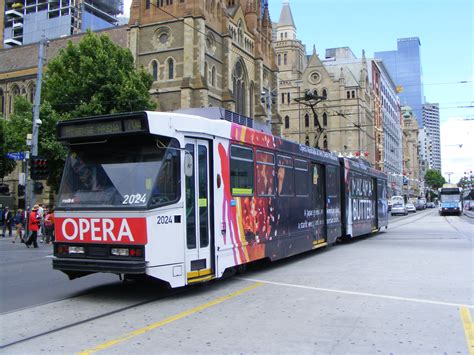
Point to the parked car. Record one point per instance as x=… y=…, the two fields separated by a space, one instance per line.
x=410 y=207
x=430 y=205
x=399 y=208
x=419 y=206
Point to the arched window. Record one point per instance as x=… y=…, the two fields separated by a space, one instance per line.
x=31 y=92
x=154 y=70
x=325 y=119
x=325 y=142
x=316 y=120
x=287 y=122
x=238 y=84
x=206 y=71
x=306 y=120
x=325 y=93
x=15 y=92
x=279 y=59
x=306 y=141
x=170 y=68
x=285 y=58
x=288 y=98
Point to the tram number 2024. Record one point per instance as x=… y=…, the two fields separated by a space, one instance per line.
x=134 y=199
x=164 y=220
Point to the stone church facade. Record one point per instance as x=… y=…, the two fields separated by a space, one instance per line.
x=207 y=53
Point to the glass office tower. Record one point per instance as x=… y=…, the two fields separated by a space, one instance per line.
x=404 y=66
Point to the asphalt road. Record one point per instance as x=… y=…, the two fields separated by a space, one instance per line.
x=408 y=290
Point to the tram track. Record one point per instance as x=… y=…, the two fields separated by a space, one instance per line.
x=409 y=219
x=168 y=293
x=461 y=233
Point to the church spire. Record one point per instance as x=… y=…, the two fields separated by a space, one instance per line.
x=286 y=17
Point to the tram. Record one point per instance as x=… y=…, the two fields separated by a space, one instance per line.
x=450 y=200
x=184 y=198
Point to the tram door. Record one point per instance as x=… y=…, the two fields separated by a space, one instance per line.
x=198 y=231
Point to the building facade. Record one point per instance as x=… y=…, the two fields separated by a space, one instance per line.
x=27 y=21
x=404 y=66
x=388 y=127
x=411 y=154
x=207 y=53
x=431 y=123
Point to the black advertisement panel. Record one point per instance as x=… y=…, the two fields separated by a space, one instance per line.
x=333 y=203
x=362 y=203
x=382 y=203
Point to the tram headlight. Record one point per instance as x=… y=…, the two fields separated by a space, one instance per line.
x=120 y=251
x=76 y=250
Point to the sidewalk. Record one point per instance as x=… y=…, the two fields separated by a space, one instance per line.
x=10 y=238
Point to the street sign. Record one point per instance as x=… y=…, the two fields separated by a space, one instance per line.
x=16 y=155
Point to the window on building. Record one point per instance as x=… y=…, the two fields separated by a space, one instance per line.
x=306 y=120
x=285 y=58
x=306 y=141
x=147 y=4
x=348 y=94
x=287 y=122
x=325 y=119
x=2 y=103
x=239 y=87
x=288 y=99
x=213 y=76
x=170 y=68
x=316 y=120
x=154 y=70
x=353 y=94
x=325 y=93
x=206 y=73
x=241 y=170
x=325 y=142
x=282 y=98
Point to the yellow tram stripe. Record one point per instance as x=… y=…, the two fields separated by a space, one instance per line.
x=198 y=273
x=468 y=328
x=168 y=320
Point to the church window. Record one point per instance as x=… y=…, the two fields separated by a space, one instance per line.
x=287 y=122
x=213 y=76
x=279 y=59
x=353 y=94
x=170 y=68
x=2 y=103
x=281 y=35
x=316 y=120
x=288 y=98
x=147 y=4
x=348 y=94
x=282 y=98
x=285 y=58
x=325 y=142
x=206 y=73
x=325 y=93
x=31 y=92
x=154 y=70
x=325 y=119
x=306 y=141
x=238 y=84
x=306 y=120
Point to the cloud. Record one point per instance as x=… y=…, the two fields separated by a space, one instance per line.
x=457 y=147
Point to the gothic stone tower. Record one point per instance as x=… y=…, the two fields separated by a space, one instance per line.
x=205 y=53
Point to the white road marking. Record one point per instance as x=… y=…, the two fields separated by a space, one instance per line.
x=407 y=299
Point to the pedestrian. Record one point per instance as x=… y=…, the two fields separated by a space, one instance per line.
x=49 y=226
x=7 y=219
x=41 y=214
x=18 y=220
x=33 y=226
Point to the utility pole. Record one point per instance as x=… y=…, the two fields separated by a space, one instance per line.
x=311 y=99
x=36 y=112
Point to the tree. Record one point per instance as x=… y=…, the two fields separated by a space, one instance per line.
x=96 y=76
x=6 y=165
x=434 y=179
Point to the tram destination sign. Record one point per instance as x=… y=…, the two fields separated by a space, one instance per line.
x=72 y=129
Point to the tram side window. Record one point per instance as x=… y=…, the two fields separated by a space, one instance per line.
x=241 y=170
x=302 y=178
x=265 y=174
x=285 y=175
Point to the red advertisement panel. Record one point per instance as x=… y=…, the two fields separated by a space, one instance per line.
x=101 y=230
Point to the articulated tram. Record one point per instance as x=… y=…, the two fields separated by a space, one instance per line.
x=185 y=198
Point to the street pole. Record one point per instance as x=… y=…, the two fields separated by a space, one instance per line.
x=36 y=110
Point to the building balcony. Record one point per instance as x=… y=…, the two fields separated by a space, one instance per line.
x=12 y=42
x=13 y=14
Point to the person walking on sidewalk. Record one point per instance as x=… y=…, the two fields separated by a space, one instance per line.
x=7 y=218
x=33 y=226
x=18 y=220
x=49 y=226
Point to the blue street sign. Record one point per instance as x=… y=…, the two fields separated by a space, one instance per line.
x=16 y=155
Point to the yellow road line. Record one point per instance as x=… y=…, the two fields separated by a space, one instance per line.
x=168 y=320
x=468 y=328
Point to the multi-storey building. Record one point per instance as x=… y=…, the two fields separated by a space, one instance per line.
x=27 y=21
x=411 y=154
x=425 y=144
x=207 y=53
x=388 y=129
x=431 y=122
x=404 y=65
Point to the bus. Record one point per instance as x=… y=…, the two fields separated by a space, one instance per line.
x=186 y=199
x=450 y=200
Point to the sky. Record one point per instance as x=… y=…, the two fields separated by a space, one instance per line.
x=446 y=32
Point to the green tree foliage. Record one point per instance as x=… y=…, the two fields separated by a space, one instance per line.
x=434 y=179
x=96 y=76
x=6 y=165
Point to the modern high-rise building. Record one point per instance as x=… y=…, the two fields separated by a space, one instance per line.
x=404 y=65
x=27 y=21
x=431 y=123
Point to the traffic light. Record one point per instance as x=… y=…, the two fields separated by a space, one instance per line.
x=38 y=187
x=39 y=168
x=21 y=190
